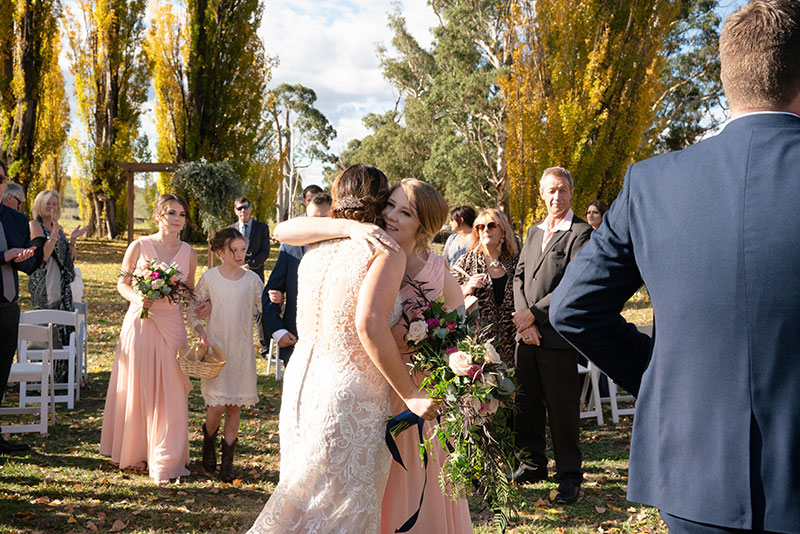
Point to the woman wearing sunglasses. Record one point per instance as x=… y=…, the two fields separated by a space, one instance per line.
x=486 y=272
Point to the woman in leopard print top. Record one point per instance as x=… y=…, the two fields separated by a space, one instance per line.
x=487 y=271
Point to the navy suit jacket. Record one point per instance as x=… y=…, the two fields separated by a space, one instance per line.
x=710 y=231
x=283 y=278
x=18 y=235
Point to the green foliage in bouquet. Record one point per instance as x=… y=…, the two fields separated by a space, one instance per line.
x=462 y=369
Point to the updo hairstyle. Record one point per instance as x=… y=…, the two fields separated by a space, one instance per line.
x=162 y=205
x=431 y=209
x=223 y=238
x=359 y=194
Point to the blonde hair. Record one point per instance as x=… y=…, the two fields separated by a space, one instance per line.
x=40 y=203
x=431 y=207
x=508 y=246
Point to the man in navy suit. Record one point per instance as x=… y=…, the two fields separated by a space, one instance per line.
x=282 y=285
x=16 y=254
x=710 y=232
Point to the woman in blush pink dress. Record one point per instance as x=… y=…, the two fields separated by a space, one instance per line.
x=146 y=418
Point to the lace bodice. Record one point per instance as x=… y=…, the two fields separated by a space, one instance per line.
x=334 y=462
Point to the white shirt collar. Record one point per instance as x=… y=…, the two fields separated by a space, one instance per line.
x=562 y=226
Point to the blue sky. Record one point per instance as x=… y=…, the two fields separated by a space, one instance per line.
x=330 y=46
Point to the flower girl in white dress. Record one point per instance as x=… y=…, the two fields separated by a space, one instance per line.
x=235 y=295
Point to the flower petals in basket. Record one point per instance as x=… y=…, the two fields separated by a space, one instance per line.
x=202 y=362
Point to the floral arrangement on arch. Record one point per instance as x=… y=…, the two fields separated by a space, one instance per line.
x=462 y=369
x=157 y=280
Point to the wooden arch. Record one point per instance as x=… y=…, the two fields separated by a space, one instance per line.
x=133 y=167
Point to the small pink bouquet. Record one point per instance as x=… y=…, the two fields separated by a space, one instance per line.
x=157 y=280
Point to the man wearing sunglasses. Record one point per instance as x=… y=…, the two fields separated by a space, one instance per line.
x=257 y=235
x=16 y=254
x=547 y=366
x=14 y=197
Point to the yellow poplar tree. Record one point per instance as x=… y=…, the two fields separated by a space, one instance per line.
x=580 y=93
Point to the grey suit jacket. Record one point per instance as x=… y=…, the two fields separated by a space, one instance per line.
x=538 y=273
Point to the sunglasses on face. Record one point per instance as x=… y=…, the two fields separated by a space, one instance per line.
x=242 y=208
x=488 y=226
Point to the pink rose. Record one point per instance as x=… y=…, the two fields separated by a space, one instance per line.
x=155 y=275
x=450 y=350
x=475 y=371
x=460 y=362
x=450 y=325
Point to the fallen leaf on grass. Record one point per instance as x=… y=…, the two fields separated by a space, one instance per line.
x=117 y=526
x=553 y=494
x=214 y=490
x=91 y=526
x=237 y=483
x=42 y=500
x=72 y=519
x=600 y=509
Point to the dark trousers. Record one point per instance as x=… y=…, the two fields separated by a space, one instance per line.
x=9 y=330
x=548 y=380
x=263 y=338
x=678 y=525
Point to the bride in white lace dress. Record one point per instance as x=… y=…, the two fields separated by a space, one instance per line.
x=334 y=462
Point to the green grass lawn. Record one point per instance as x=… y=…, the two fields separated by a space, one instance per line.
x=63 y=484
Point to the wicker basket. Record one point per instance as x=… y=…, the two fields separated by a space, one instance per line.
x=199 y=362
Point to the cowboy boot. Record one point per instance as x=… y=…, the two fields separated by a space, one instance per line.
x=226 y=467
x=209 y=450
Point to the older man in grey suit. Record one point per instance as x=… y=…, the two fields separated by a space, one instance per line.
x=547 y=366
x=716 y=438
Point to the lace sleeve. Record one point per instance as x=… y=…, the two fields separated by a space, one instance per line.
x=200 y=295
x=258 y=289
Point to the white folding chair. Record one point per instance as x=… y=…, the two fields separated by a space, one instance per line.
x=69 y=353
x=590 y=400
x=272 y=357
x=83 y=342
x=41 y=372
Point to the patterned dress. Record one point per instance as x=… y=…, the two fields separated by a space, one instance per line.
x=37 y=283
x=334 y=461
x=494 y=314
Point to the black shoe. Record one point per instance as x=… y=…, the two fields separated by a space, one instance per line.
x=526 y=474
x=7 y=446
x=568 y=492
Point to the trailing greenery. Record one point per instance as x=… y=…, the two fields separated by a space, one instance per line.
x=213 y=187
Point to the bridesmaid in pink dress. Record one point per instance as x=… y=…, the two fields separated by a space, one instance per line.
x=412 y=218
x=146 y=418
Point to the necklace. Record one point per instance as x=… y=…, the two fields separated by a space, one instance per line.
x=495 y=264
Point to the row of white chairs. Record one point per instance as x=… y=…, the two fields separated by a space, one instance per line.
x=591 y=399
x=36 y=357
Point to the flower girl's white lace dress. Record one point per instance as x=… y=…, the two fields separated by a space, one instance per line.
x=334 y=461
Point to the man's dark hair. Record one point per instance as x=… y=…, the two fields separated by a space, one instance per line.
x=322 y=198
x=241 y=200
x=312 y=189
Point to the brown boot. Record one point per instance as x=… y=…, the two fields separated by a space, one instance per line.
x=209 y=450
x=226 y=467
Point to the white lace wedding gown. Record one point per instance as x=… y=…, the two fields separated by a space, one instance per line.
x=334 y=461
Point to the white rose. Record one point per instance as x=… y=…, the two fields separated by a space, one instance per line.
x=157 y=283
x=417 y=331
x=489 y=379
x=491 y=354
x=460 y=362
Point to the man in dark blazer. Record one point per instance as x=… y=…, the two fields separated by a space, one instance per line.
x=282 y=286
x=257 y=234
x=547 y=366
x=710 y=231
x=16 y=254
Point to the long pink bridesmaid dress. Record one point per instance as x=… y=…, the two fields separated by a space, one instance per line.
x=439 y=514
x=146 y=418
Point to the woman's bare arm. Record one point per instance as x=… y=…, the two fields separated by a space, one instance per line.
x=306 y=230
x=375 y=302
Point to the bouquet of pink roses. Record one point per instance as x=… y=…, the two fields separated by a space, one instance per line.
x=158 y=280
x=461 y=368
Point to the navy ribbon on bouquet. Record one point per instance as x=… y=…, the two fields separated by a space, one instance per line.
x=408 y=418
